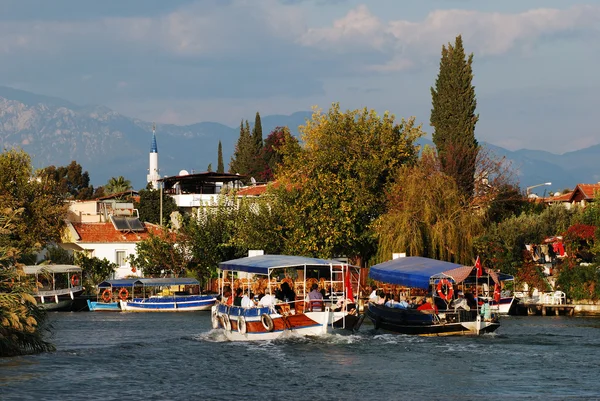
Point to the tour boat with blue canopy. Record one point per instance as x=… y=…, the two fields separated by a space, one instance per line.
x=446 y=309
x=176 y=294
x=110 y=292
x=263 y=297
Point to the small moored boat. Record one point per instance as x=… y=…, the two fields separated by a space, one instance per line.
x=166 y=295
x=109 y=293
x=440 y=277
x=56 y=286
x=301 y=314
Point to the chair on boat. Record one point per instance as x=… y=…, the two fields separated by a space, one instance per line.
x=299 y=305
x=315 y=306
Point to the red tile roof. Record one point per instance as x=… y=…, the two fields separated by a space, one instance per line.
x=256 y=190
x=107 y=233
x=587 y=190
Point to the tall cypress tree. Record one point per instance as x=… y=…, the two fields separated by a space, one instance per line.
x=220 y=166
x=243 y=156
x=453 y=116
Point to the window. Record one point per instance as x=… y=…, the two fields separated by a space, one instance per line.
x=121 y=258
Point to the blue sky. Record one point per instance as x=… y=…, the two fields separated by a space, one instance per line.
x=184 y=61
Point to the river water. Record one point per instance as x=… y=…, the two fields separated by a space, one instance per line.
x=177 y=356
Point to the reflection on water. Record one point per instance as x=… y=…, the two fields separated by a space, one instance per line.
x=174 y=356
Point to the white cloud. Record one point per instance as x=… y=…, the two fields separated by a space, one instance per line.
x=485 y=33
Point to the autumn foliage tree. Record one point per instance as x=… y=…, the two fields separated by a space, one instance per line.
x=330 y=189
x=273 y=151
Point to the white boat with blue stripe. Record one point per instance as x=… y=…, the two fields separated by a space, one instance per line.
x=179 y=294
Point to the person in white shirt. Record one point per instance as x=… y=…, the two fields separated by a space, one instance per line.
x=373 y=297
x=247 y=302
x=267 y=300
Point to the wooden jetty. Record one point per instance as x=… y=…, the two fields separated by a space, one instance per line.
x=548 y=309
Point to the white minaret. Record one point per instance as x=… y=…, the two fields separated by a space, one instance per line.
x=153 y=175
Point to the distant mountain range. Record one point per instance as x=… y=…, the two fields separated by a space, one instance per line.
x=107 y=144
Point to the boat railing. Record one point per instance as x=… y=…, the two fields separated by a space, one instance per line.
x=61 y=291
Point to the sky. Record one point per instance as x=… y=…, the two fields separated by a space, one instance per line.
x=186 y=61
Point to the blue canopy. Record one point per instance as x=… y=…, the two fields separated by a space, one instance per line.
x=128 y=282
x=159 y=282
x=262 y=264
x=412 y=271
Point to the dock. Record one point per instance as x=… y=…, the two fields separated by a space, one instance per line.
x=548 y=309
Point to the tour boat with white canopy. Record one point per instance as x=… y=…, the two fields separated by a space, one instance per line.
x=305 y=296
x=56 y=286
x=445 y=311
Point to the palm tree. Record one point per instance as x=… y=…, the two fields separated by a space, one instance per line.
x=117 y=185
x=21 y=321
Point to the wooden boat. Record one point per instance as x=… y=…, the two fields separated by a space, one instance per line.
x=166 y=295
x=299 y=316
x=56 y=285
x=109 y=293
x=440 y=278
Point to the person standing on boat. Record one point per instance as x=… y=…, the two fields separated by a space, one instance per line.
x=485 y=311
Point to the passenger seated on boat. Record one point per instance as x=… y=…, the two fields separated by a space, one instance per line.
x=373 y=296
x=381 y=298
x=460 y=302
x=227 y=296
x=426 y=304
x=402 y=304
x=314 y=294
x=237 y=301
x=285 y=294
x=267 y=300
x=471 y=302
x=247 y=302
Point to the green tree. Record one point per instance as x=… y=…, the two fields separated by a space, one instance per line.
x=117 y=185
x=22 y=323
x=149 y=206
x=209 y=168
x=44 y=210
x=160 y=254
x=243 y=156
x=453 y=116
x=220 y=165
x=257 y=139
x=94 y=270
x=331 y=189
x=72 y=181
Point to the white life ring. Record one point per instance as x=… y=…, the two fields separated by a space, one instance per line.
x=226 y=322
x=241 y=324
x=214 y=320
x=267 y=322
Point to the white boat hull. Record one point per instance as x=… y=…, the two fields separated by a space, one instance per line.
x=167 y=305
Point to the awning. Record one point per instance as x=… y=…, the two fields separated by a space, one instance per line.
x=416 y=272
x=262 y=264
x=412 y=271
x=35 y=269
x=167 y=281
x=117 y=283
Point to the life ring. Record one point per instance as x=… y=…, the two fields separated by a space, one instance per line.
x=123 y=294
x=447 y=295
x=226 y=322
x=74 y=280
x=267 y=322
x=214 y=320
x=241 y=323
x=106 y=295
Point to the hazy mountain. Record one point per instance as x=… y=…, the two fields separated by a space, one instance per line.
x=55 y=132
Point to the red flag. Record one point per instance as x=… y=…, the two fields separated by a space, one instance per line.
x=497 y=293
x=348 y=285
x=478 y=267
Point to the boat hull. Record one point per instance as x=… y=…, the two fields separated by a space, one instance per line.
x=503 y=307
x=260 y=324
x=427 y=323
x=103 y=306
x=191 y=303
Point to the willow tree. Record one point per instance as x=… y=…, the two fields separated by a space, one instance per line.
x=427 y=216
x=332 y=187
x=453 y=116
